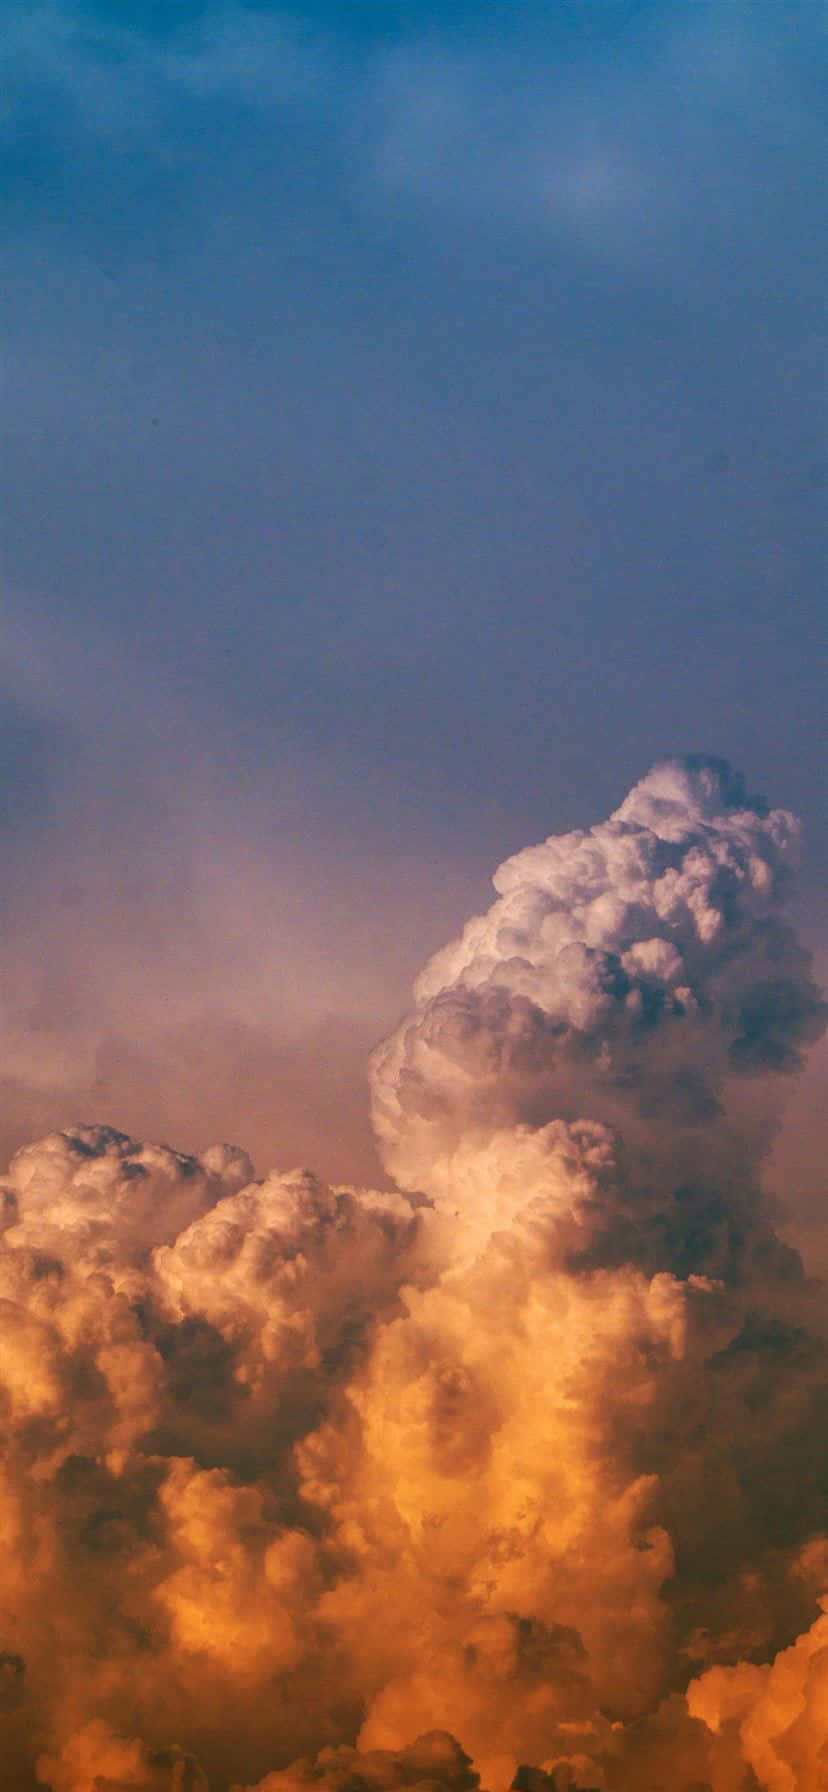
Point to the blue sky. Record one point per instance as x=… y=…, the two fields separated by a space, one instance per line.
x=414 y=426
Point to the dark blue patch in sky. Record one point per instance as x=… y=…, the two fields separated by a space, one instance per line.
x=575 y=22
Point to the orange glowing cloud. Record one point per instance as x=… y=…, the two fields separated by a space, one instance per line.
x=514 y=1474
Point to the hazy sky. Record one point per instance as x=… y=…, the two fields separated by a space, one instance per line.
x=414 y=425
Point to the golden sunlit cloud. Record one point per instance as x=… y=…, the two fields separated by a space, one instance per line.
x=516 y=1474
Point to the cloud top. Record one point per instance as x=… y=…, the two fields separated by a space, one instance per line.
x=627 y=975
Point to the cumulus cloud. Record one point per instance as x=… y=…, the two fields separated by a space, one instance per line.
x=435 y=1761
x=630 y=975
x=514 y=1474
x=778 y=1711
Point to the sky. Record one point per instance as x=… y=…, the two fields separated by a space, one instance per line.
x=414 y=427
x=413 y=430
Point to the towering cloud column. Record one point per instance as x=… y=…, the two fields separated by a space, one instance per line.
x=616 y=998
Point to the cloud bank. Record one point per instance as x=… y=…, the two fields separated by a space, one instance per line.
x=516 y=1474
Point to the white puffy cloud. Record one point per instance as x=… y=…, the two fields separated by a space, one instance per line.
x=107 y=1202
x=631 y=975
